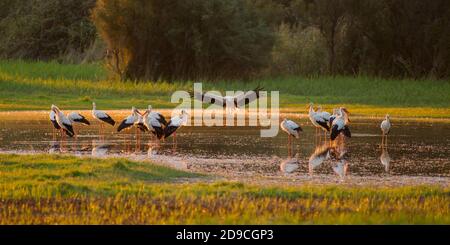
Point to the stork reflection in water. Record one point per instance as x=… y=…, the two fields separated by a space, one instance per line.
x=385 y=159
x=319 y=156
x=290 y=165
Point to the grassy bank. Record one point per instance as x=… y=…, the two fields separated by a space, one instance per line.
x=53 y=189
x=36 y=85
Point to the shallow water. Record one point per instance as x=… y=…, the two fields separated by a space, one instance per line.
x=414 y=148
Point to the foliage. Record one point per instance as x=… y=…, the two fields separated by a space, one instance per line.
x=45 y=29
x=36 y=85
x=54 y=189
x=182 y=39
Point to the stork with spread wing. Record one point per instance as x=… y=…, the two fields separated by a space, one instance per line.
x=236 y=101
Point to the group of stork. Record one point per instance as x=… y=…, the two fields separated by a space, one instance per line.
x=149 y=121
x=335 y=124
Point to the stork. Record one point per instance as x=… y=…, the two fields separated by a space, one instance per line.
x=155 y=122
x=319 y=119
x=332 y=117
x=174 y=124
x=76 y=117
x=235 y=102
x=63 y=122
x=54 y=123
x=129 y=121
x=102 y=117
x=291 y=128
x=385 y=129
x=340 y=125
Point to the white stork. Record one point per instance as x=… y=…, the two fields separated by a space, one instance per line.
x=129 y=121
x=323 y=114
x=102 y=116
x=54 y=122
x=340 y=125
x=332 y=117
x=76 y=117
x=319 y=119
x=64 y=123
x=291 y=128
x=385 y=129
x=155 y=122
x=229 y=102
x=174 y=124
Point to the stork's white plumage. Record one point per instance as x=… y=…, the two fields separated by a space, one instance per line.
x=229 y=102
x=319 y=119
x=332 y=117
x=385 y=129
x=323 y=114
x=175 y=123
x=53 y=119
x=155 y=122
x=291 y=128
x=129 y=121
x=339 y=125
x=386 y=125
x=64 y=123
x=102 y=116
x=76 y=117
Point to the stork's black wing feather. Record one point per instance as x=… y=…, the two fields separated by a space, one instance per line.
x=82 y=120
x=55 y=124
x=347 y=132
x=69 y=130
x=159 y=132
x=123 y=125
x=169 y=130
x=324 y=125
x=108 y=120
x=162 y=120
x=334 y=132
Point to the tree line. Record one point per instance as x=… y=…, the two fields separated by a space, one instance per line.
x=234 y=39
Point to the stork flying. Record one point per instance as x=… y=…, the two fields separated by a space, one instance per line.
x=230 y=102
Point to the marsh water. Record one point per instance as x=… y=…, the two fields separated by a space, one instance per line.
x=415 y=148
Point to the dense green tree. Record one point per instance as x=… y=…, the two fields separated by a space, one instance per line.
x=152 y=39
x=45 y=29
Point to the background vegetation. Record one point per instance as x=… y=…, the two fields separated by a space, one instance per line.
x=54 y=189
x=36 y=85
x=236 y=39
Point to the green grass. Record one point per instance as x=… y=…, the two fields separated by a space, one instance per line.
x=36 y=85
x=54 y=189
